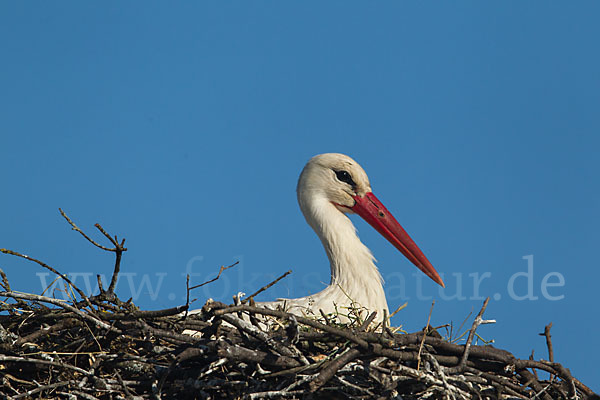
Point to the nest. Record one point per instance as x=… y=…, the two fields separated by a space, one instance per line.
x=100 y=347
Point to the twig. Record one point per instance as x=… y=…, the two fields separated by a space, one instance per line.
x=76 y=228
x=44 y=388
x=187 y=294
x=262 y=289
x=114 y=240
x=441 y=374
x=44 y=299
x=119 y=249
x=331 y=368
x=368 y=321
x=424 y=377
x=165 y=335
x=100 y=287
x=238 y=353
x=60 y=325
x=43 y=264
x=28 y=360
x=125 y=388
x=355 y=387
x=324 y=316
x=292 y=331
x=223 y=268
x=529 y=379
x=549 y=344
x=273 y=394
x=531 y=358
x=79 y=393
x=460 y=327
x=5 y=283
x=506 y=383
x=425 y=331
x=478 y=320
x=258 y=334
x=150 y=314
x=401 y=307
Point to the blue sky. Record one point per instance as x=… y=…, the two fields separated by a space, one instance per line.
x=184 y=126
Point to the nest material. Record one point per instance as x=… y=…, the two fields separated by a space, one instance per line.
x=100 y=347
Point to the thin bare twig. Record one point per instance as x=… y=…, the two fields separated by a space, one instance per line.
x=425 y=331
x=48 y=267
x=478 y=321
x=119 y=249
x=76 y=228
x=44 y=299
x=262 y=289
x=21 y=359
x=114 y=240
x=531 y=358
x=43 y=388
x=368 y=321
x=324 y=316
x=400 y=307
x=549 y=343
x=330 y=370
x=5 y=284
x=223 y=268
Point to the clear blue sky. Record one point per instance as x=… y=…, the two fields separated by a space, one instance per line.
x=183 y=127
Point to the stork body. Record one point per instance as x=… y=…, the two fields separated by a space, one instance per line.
x=331 y=186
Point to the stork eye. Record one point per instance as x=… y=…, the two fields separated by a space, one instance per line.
x=345 y=177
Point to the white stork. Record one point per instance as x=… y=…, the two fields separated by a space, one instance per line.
x=330 y=186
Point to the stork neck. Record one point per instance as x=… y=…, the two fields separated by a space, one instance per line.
x=352 y=264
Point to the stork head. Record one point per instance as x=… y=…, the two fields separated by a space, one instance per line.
x=341 y=181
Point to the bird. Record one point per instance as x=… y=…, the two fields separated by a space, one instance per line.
x=332 y=186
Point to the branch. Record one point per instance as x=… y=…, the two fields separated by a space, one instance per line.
x=223 y=268
x=76 y=228
x=62 y=304
x=265 y=287
x=478 y=320
x=43 y=264
x=425 y=331
x=332 y=368
x=549 y=343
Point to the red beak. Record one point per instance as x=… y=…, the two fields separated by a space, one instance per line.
x=375 y=213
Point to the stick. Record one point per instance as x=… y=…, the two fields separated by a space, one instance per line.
x=478 y=320
x=43 y=264
x=76 y=228
x=42 y=362
x=262 y=289
x=425 y=331
x=150 y=314
x=332 y=368
x=549 y=344
x=223 y=268
x=43 y=388
x=5 y=283
x=44 y=299
x=368 y=321
x=258 y=334
x=119 y=249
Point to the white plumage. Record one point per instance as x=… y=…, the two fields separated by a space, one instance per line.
x=331 y=186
